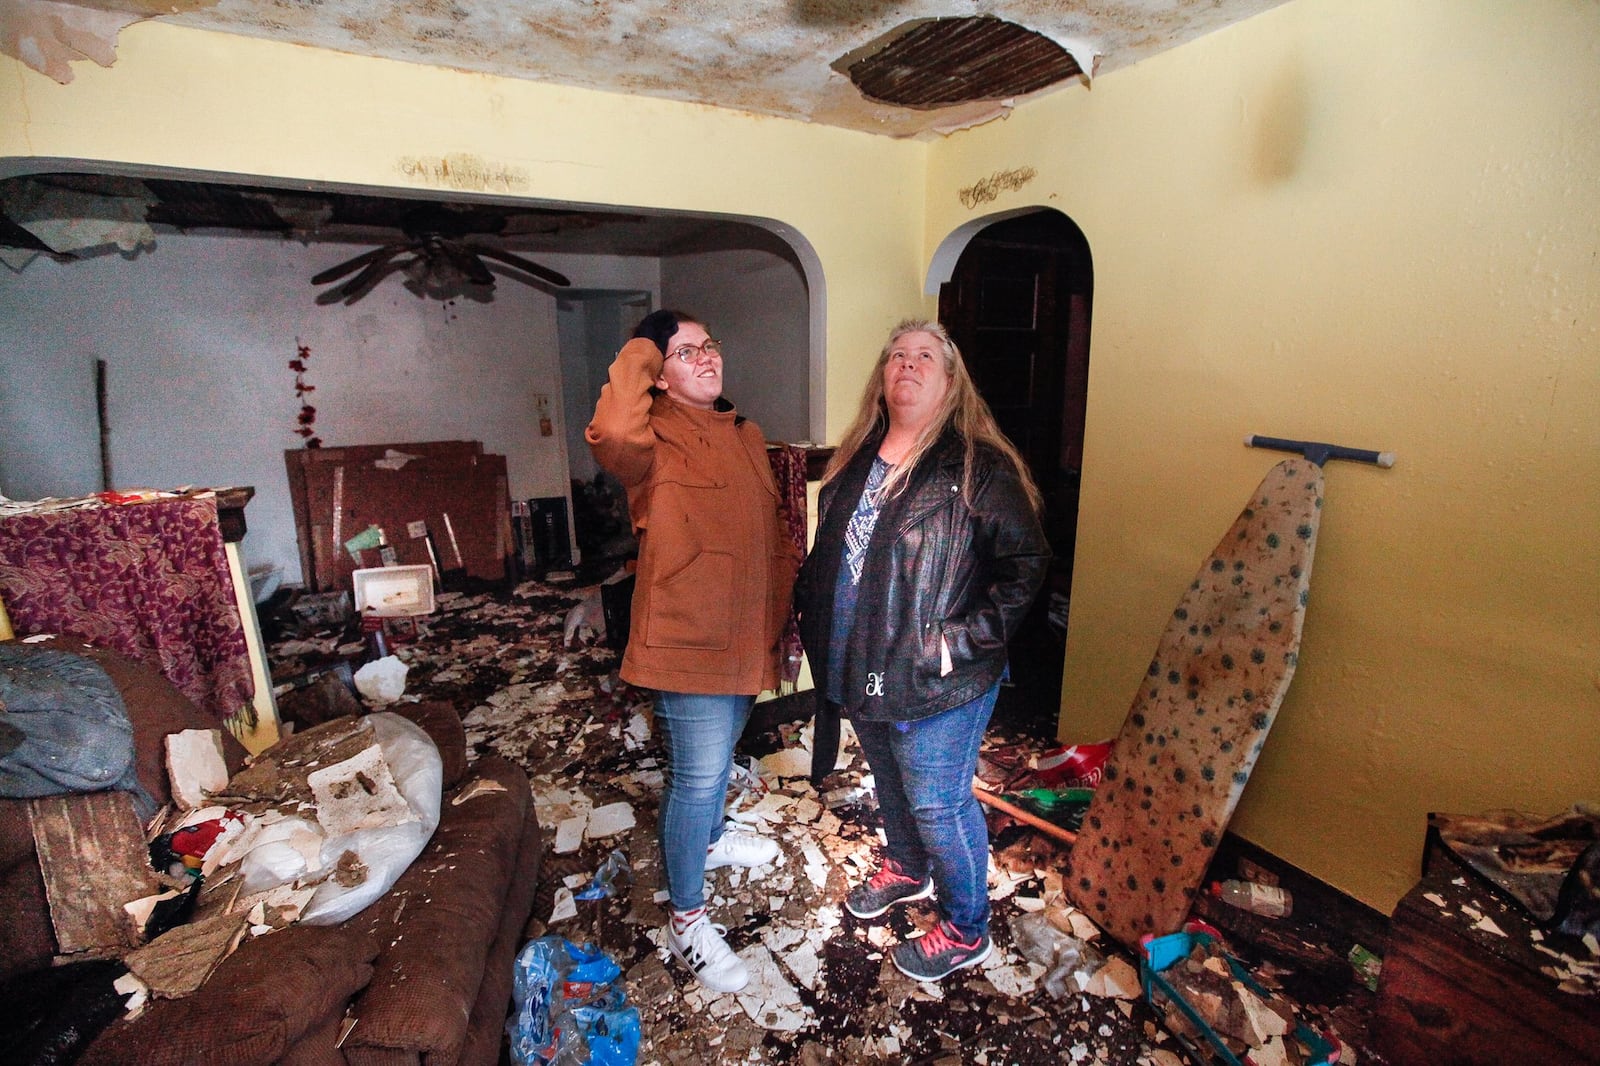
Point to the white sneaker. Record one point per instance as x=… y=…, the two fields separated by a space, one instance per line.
x=713 y=963
x=740 y=849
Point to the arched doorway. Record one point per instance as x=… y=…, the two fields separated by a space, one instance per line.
x=1018 y=304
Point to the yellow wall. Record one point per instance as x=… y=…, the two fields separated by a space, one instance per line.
x=231 y=105
x=1374 y=223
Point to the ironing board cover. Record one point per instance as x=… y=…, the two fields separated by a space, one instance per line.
x=1201 y=716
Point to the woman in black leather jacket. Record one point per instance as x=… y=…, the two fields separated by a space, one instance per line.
x=928 y=553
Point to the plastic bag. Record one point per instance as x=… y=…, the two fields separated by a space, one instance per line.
x=1064 y=955
x=382 y=680
x=385 y=851
x=1077 y=766
x=612 y=873
x=610 y=1031
x=568 y=1010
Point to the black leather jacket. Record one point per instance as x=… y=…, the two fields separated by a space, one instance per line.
x=937 y=566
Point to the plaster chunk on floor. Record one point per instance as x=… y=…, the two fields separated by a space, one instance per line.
x=805 y=965
x=565 y=906
x=637 y=732
x=1014 y=979
x=769 y=999
x=787 y=762
x=609 y=820
x=569 y=834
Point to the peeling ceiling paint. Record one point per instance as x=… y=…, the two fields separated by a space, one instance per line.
x=771 y=57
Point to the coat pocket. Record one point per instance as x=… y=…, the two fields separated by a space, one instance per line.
x=692 y=607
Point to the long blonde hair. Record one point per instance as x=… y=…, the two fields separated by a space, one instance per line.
x=962 y=409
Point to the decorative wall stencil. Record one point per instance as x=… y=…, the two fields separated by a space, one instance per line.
x=465 y=172
x=1201 y=717
x=991 y=187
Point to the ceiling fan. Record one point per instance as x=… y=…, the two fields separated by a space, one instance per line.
x=438 y=257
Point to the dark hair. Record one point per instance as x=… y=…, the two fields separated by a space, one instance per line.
x=659 y=326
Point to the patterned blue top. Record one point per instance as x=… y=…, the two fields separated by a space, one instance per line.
x=856 y=538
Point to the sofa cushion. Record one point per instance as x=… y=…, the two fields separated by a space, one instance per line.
x=436 y=925
x=258 y=1003
x=486 y=1031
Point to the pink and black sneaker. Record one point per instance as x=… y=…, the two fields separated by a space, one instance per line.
x=884 y=889
x=940 y=952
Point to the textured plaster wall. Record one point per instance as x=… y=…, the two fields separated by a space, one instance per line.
x=1374 y=223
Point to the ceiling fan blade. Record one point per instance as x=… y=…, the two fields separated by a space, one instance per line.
x=542 y=273
x=362 y=283
x=463 y=260
x=334 y=273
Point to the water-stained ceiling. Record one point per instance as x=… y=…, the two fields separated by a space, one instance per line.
x=902 y=68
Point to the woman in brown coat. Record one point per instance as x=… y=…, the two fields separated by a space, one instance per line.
x=714 y=579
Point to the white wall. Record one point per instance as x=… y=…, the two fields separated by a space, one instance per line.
x=198 y=335
x=756 y=302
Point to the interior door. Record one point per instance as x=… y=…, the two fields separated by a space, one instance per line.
x=1018 y=307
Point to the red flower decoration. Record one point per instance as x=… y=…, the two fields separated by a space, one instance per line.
x=308 y=414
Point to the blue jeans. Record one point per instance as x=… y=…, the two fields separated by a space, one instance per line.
x=699 y=733
x=923 y=771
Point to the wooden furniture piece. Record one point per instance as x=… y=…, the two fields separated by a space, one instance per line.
x=1454 y=993
x=444 y=504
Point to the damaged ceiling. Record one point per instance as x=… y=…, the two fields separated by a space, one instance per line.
x=903 y=68
x=69 y=216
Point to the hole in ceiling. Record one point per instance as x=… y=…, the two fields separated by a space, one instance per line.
x=931 y=63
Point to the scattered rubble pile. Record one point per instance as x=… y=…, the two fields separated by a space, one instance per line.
x=313 y=831
x=1210 y=1001
x=823 y=988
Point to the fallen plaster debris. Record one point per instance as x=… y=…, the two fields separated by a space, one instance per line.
x=609 y=820
x=823 y=987
x=195 y=766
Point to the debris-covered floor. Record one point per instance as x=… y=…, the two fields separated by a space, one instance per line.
x=823 y=988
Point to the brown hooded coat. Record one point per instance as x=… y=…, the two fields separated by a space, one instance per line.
x=716 y=569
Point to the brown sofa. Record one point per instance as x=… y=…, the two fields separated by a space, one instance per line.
x=425 y=972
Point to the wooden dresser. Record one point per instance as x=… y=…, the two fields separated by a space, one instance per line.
x=1452 y=994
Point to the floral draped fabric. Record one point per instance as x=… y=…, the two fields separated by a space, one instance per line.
x=149 y=581
x=789 y=469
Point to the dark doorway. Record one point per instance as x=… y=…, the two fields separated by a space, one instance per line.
x=1018 y=306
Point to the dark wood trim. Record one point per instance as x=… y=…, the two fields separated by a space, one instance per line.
x=230 y=511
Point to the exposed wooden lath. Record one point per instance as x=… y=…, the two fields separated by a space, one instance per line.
x=189 y=205
x=959 y=60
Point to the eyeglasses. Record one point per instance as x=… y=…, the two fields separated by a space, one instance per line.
x=693 y=353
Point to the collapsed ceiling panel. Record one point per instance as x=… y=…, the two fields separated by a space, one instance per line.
x=957 y=60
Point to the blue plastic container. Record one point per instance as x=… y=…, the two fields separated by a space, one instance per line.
x=1162 y=952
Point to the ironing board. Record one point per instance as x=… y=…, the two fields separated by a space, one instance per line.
x=1202 y=714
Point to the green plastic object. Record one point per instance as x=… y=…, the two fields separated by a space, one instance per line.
x=1162 y=952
